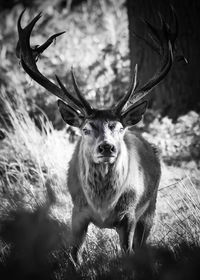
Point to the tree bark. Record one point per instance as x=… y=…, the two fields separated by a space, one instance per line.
x=180 y=91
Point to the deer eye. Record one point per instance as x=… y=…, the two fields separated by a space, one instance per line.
x=86 y=131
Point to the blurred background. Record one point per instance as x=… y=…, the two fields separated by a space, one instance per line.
x=100 y=43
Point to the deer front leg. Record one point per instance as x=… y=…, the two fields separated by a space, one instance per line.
x=126 y=231
x=80 y=222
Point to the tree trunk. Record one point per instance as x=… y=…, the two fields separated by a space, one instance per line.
x=180 y=91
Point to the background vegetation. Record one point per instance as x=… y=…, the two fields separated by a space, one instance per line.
x=36 y=146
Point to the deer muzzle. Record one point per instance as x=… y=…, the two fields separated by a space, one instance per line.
x=106 y=152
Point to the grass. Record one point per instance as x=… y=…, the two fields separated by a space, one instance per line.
x=35 y=214
x=178 y=214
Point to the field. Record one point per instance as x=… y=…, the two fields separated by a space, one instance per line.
x=35 y=208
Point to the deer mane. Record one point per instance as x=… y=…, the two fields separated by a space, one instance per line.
x=103 y=183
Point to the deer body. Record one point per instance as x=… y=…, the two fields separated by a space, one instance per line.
x=120 y=195
x=136 y=180
x=114 y=173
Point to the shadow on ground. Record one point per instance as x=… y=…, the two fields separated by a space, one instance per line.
x=36 y=246
x=32 y=242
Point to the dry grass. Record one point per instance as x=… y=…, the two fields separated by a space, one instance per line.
x=178 y=214
x=35 y=212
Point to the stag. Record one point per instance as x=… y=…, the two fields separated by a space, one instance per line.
x=114 y=172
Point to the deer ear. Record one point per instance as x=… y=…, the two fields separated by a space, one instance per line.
x=134 y=114
x=69 y=115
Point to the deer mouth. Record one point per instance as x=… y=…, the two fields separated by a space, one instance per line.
x=106 y=158
x=110 y=156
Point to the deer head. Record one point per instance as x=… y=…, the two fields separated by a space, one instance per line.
x=102 y=130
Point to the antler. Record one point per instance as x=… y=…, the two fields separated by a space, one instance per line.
x=131 y=89
x=29 y=56
x=165 y=40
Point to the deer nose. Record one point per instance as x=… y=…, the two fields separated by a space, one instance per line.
x=106 y=148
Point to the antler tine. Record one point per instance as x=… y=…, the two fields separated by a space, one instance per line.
x=174 y=35
x=78 y=105
x=24 y=35
x=28 y=57
x=155 y=80
x=132 y=87
x=48 y=42
x=166 y=40
x=86 y=105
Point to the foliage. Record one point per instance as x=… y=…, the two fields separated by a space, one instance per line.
x=178 y=141
x=95 y=43
x=34 y=3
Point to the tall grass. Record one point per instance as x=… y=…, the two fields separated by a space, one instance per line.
x=178 y=214
x=35 y=213
x=30 y=155
x=35 y=206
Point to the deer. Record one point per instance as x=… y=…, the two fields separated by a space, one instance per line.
x=114 y=173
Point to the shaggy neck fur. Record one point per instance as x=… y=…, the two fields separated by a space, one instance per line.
x=103 y=183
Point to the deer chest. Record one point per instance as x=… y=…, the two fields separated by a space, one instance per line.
x=102 y=191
